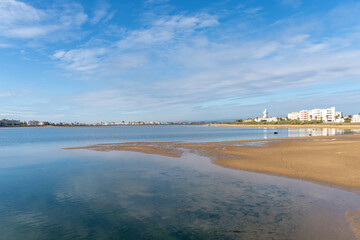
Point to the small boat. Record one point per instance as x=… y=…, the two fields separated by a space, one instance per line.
x=275 y=132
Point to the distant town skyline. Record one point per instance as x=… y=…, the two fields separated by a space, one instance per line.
x=170 y=60
x=329 y=115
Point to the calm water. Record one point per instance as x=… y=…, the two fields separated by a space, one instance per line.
x=50 y=193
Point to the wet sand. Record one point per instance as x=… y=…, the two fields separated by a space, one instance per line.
x=353 y=218
x=339 y=126
x=331 y=160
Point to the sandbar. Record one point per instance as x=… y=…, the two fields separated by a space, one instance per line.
x=331 y=160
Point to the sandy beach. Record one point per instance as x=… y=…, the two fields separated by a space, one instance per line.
x=339 y=126
x=333 y=160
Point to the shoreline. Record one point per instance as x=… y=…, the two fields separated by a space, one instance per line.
x=104 y=125
x=328 y=160
x=340 y=126
x=41 y=127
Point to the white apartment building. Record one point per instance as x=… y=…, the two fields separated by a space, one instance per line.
x=294 y=116
x=326 y=115
x=355 y=118
x=33 y=123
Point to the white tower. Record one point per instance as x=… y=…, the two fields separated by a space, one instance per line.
x=266 y=113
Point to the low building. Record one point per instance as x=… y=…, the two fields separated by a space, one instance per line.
x=33 y=123
x=266 y=117
x=248 y=120
x=339 y=120
x=355 y=118
x=42 y=123
x=294 y=116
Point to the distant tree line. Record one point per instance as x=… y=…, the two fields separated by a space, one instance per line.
x=13 y=124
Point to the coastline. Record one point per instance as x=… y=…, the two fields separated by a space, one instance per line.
x=40 y=127
x=48 y=126
x=340 y=126
x=329 y=160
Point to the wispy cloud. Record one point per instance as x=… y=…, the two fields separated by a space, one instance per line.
x=293 y=3
x=102 y=14
x=5 y=94
x=200 y=70
x=166 y=29
x=156 y=1
x=6 y=45
x=81 y=59
x=23 y=21
x=252 y=10
x=12 y=11
x=163 y=31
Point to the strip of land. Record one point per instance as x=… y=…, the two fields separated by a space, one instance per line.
x=331 y=160
x=341 y=126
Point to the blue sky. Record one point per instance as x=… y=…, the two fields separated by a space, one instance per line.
x=172 y=60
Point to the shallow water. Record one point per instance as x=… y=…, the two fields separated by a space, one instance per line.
x=50 y=193
x=68 y=136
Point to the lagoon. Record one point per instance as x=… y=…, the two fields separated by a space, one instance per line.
x=47 y=192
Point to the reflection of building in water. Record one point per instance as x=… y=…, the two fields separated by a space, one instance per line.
x=302 y=132
x=297 y=132
x=265 y=133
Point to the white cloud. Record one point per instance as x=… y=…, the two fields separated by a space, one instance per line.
x=6 y=45
x=156 y=1
x=252 y=10
x=187 y=22
x=217 y=72
x=316 y=47
x=21 y=20
x=101 y=13
x=190 y=60
x=81 y=59
x=12 y=11
x=293 y=3
x=267 y=49
x=27 y=32
x=166 y=30
x=298 y=38
x=5 y=94
x=8 y=114
x=173 y=62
